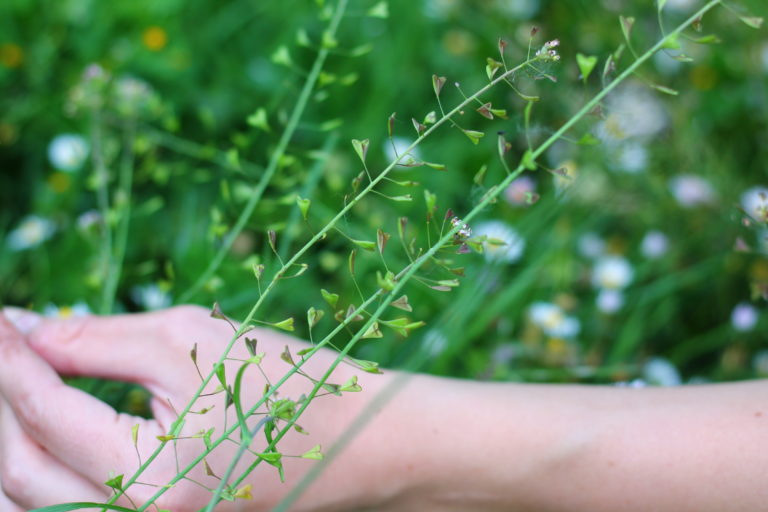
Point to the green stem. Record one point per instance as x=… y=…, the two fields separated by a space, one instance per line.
x=123 y=210
x=102 y=199
x=277 y=155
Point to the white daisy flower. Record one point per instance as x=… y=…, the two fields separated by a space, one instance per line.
x=551 y=319
x=591 y=245
x=612 y=273
x=755 y=202
x=661 y=372
x=503 y=243
x=632 y=111
x=31 y=232
x=151 y=296
x=744 y=317
x=68 y=152
x=691 y=190
x=655 y=244
x=631 y=158
x=76 y=310
x=609 y=301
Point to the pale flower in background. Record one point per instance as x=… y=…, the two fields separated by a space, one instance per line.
x=151 y=296
x=632 y=111
x=661 y=372
x=68 y=152
x=610 y=301
x=509 y=247
x=612 y=272
x=631 y=158
x=519 y=9
x=744 y=317
x=591 y=245
x=519 y=190
x=78 y=309
x=31 y=232
x=551 y=319
x=655 y=244
x=400 y=144
x=691 y=190
x=88 y=219
x=755 y=203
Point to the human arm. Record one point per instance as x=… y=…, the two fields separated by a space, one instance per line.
x=439 y=444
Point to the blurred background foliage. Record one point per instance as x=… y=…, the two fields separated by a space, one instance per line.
x=648 y=261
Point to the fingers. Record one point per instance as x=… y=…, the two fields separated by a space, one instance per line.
x=134 y=348
x=23 y=319
x=6 y=505
x=70 y=424
x=31 y=477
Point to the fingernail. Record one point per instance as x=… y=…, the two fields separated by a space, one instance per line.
x=24 y=320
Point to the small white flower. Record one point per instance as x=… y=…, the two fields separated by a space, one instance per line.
x=744 y=317
x=655 y=244
x=78 y=309
x=691 y=190
x=755 y=203
x=553 y=321
x=631 y=158
x=464 y=231
x=518 y=192
x=591 y=246
x=151 y=297
x=31 y=232
x=610 y=301
x=612 y=272
x=632 y=111
x=68 y=152
x=661 y=372
x=506 y=244
x=88 y=219
x=397 y=147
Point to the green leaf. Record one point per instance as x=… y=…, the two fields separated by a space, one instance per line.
x=365 y=245
x=270 y=457
x=331 y=298
x=221 y=373
x=586 y=65
x=115 y=483
x=438 y=167
x=366 y=366
x=474 y=136
x=709 y=39
x=671 y=42
x=314 y=453
x=528 y=161
x=665 y=90
x=402 y=303
x=303 y=206
x=588 y=140
x=361 y=148
x=373 y=332
x=437 y=85
x=752 y=21
x=380 y=10
x=286 y=325
x=259 y=120
x=282 y=57
x=661 y=4
x=626 y=26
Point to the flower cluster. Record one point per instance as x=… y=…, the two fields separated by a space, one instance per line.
x=464 y=231
x=548 y=52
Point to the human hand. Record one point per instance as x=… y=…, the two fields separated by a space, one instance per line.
x=59 y=444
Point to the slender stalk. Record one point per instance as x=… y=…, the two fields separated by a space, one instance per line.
x=123 y=210
x=402 y=279
x=102 y=199
x=274 y=161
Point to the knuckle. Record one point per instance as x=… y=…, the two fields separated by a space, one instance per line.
x=14 y=480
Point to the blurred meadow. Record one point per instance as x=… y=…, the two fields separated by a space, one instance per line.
x=645 y=257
